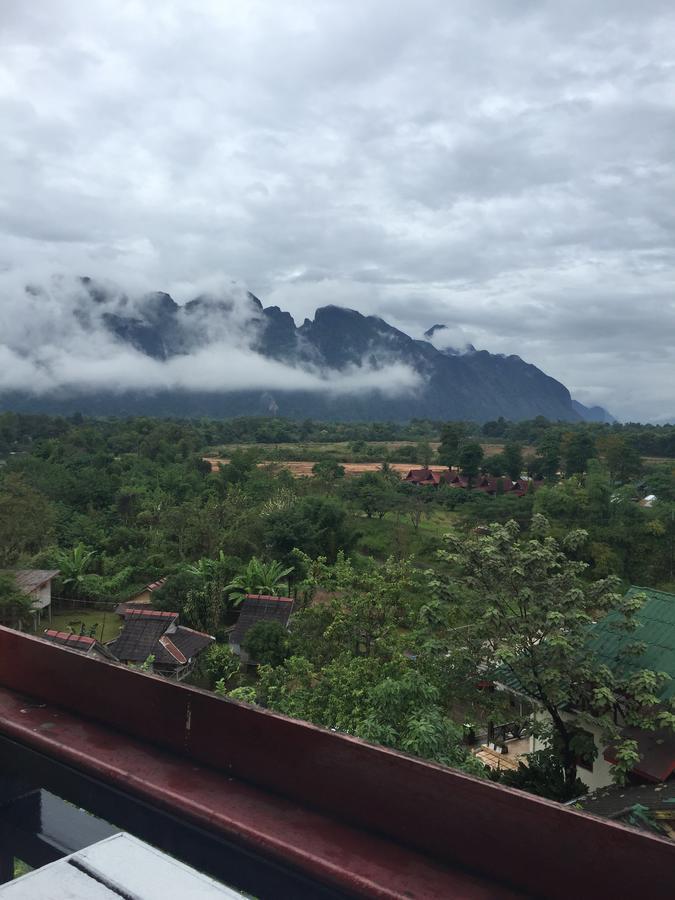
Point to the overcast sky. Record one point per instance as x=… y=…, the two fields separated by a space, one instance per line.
x=506 y=167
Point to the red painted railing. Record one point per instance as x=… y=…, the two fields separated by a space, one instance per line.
x=370 y=820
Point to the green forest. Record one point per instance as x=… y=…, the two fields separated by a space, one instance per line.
x=409 y=599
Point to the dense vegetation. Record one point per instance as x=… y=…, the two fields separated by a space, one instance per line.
x=394 y=583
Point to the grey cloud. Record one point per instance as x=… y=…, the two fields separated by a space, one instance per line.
x=53 y=337
x=505 y=167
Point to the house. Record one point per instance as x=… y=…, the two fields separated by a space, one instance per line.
x=486 y=484
x=82 y=643
x=454 y=479
x=656 y=629
x=143 y=597
x=155 y=638
x=37 y=584
x=258 y=608
x=424 y=475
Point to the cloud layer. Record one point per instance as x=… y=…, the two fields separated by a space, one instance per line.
x=54 y=338
x=504 y=167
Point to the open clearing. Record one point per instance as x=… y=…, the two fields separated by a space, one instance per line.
x=303 y=468
x=107 y=623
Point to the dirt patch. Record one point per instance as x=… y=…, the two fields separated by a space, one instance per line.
x=303 y=468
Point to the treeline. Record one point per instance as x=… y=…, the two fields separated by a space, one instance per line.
x=19 y=430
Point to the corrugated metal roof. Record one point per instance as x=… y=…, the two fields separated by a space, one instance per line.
x=656 y=629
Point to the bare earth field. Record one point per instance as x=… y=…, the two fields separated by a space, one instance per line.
x=303 y=468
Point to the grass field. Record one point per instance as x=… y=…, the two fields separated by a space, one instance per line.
x=107 y=623
x=395 y=536
x=299 y=459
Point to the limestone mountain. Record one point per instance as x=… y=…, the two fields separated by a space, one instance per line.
x=345 y=355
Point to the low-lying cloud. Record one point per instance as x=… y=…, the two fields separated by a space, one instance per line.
x=54 y=340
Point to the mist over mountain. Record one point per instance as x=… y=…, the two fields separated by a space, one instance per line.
x=88 y=346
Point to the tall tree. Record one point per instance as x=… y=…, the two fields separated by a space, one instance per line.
x=547 y=462
x=620 y=456
x=26 y=519
x=453 y=434
x=576 y=448
x=470 y=458
x=532 y=613
x=16 y=608
x=424 y=453
x=513 y=460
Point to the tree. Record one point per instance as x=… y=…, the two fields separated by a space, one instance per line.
x=424 y=453
x=73 y=565
x=26 y=519
x=316 y=525
x=532 y=614
x=621 y=458
x=219 y=662
x=267 y=643
x=547 y=462
x=453 y=435
x=599 y=492
x=257 y=578
x=348 y=670
x=328 y=471
x=16 y=608
x=470 y=458
x=513 y=460
x=415 y=502
x=373 y=492
x=576 y=448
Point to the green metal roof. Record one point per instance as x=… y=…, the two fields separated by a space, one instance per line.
x=656 y=629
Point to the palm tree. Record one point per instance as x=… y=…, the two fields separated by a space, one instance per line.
x=74 y=565
x=257 y=578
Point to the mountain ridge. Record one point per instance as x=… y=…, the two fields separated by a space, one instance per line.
x=350 y=361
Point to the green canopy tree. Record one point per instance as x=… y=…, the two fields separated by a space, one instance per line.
x=453 y=434
x=470 y=458
x=532 y=613
x=349 y=670
x=16 y=608
x=26 y=519
x=576 y=448
x=257 y=577
x=267 y=643
x=74 y=565
x=512 y=458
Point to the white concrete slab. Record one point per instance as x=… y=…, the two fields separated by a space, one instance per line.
x=119 y=866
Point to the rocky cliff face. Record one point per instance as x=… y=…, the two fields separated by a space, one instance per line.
x=446 y=384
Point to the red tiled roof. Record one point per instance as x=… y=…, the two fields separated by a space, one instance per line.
x=156 y=585
x=422 y=476
x=67 y=637
x=268 y=597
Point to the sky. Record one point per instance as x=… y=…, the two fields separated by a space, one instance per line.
x=505 y=167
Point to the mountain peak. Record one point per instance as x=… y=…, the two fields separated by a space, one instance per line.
x=430 y=332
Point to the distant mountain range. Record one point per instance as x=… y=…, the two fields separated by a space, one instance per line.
x=361 y=368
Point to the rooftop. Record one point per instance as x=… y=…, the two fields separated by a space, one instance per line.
x=144 y=634
x=260 y=608
x=656 y=628
x=31 y=579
